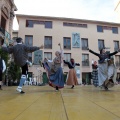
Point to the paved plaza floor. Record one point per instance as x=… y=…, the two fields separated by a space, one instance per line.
x=43 y=103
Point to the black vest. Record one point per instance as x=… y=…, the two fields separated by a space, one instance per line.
x=1 y=64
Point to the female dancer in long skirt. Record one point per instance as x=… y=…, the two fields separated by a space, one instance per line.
x=105 y=72
x=95 y=73
x=55 y=71
x=72 y=79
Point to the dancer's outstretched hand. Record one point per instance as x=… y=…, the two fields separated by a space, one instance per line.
x=41 y=47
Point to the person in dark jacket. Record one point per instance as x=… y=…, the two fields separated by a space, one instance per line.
x=104 y=76
x=20 y=53
x=72 y=78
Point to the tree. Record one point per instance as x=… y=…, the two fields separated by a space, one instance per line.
x=14 y=72
x=4 y=56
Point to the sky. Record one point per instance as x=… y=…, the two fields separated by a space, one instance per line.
x=101 y=10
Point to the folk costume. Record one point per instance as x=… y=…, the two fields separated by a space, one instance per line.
x=20 y=54
x=72 y=78
x=54 y=71
x=105 y=70
x=95 y=74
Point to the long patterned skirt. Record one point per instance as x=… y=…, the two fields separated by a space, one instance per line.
x=102 y=73
x=57 y=79
x=72 y=79
x=95 y=77
x=106 y=75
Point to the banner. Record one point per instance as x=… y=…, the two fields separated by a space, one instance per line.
x=7 y=38
x=75 y=40
x=38 y=56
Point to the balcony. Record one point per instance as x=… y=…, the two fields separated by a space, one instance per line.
x=115 y=49
x=5 y=37
x=85 y=63
x=117 y=64
x=84 y=48
x=48 y=46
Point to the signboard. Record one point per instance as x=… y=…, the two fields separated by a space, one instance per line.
x=75 y=40
x=7 y=38
x=38 y=56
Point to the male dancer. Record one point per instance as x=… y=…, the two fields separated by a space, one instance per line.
x=20 y=54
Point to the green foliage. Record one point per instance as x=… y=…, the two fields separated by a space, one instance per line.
x=4 y=56
x=14 y=72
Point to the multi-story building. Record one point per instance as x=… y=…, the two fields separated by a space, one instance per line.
x=75 y=36
x=7 y=8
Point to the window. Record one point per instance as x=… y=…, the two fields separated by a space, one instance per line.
x=118 y=78
x=74 y=25
x=3 y=22
x=116 y=45
x=29 y=23
x=117 y=60
x=85 y=60
x=107 y=27
x=115 y=30
x=84 y=43
x=14 y=38
x=100 y=44
x=67 y=56
x=48 y=42
x=67 y=43
x=99 y=28
x=48 y=55
x=48 y=24
x=29 y=42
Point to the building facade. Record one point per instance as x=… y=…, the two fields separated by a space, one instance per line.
x=75 y=36
x=7 y=8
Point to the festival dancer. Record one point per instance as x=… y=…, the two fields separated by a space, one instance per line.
x=105 y=72
x=95 y=73
x=72 y=79
x=54 y=70
x=20 y=54
x=2 y=69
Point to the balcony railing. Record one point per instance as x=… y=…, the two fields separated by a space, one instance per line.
x=6 y=37
x=115 y=49
x=100 y=48
x=84 y=48
x=67 y=47
x=48 y=46
x=117 y=64
x=85 y=63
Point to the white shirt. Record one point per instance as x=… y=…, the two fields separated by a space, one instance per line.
x=4 y=66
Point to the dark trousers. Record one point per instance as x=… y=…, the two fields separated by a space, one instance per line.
x=0 y=75
x=24 y=69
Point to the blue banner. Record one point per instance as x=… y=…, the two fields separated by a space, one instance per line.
x=38 y=56
x=76 y=40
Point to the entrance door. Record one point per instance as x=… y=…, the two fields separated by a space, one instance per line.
x=45 y=79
